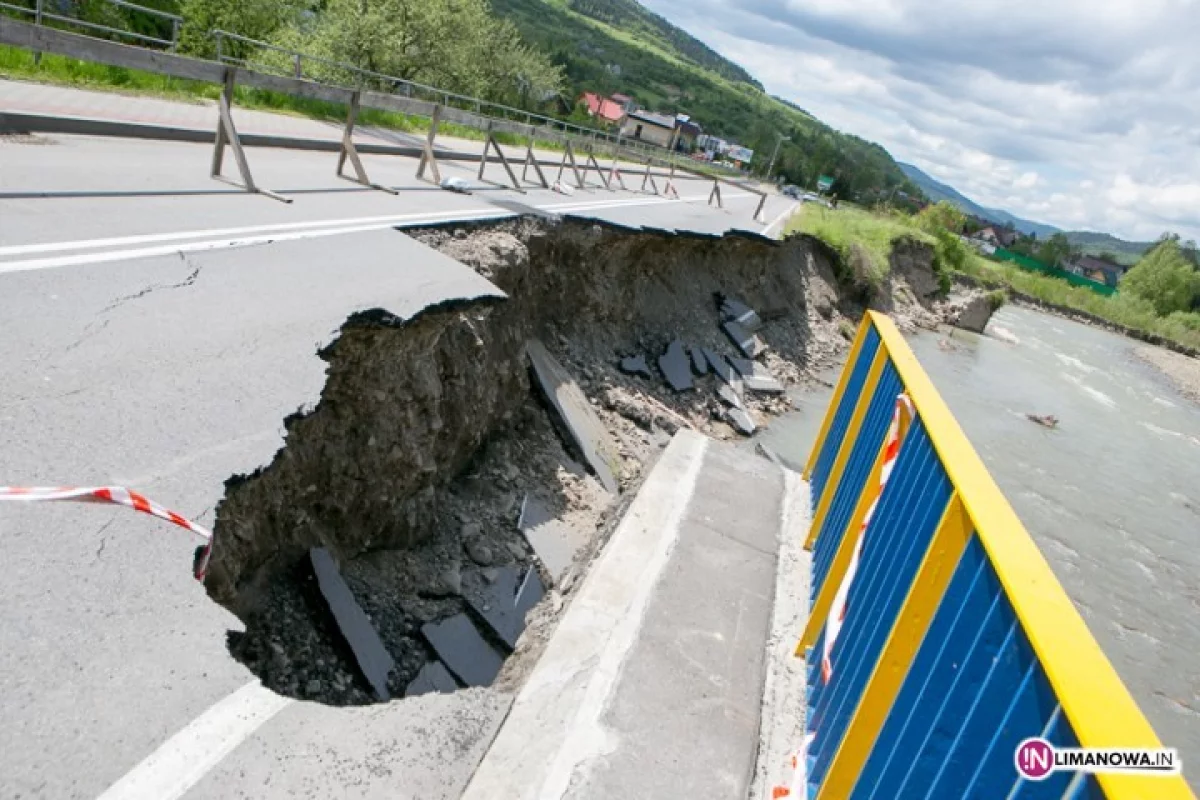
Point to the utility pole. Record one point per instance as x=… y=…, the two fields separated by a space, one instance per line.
x=778 y=141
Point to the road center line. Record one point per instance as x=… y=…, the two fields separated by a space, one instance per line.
x=181 y=761
x=290 y=234
x=151 y=238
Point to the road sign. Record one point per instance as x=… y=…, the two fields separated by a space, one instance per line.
x=824 y=183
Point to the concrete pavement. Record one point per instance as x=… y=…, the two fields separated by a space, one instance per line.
x=653 y=683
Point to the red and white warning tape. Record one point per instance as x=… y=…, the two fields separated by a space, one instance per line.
x=117 y=495
x=903 y=415
x=837 y=612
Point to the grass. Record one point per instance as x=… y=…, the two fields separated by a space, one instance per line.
x=874 y=234
x=848 y=226
x=59 y=70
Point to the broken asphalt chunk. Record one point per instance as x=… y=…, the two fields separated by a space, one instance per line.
x=729 y=396
x=756 y=377
x=463 y=650
x=635 y=365
x=676 y=367
x=746 y=341
x=582 y=425
x=506 y=601
x=742 y=314
x=720 y=365
x=554 y=542
x=433 y=677
x=373 y=659
x=699 y=362
x=741 y=420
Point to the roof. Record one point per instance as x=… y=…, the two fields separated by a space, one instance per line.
x=622 y=98
x=1091 y=263
x=603 y=107
x=661 y=120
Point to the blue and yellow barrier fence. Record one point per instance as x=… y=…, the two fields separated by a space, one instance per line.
x=957 y=641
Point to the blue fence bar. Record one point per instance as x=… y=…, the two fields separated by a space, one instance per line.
x=952 y=642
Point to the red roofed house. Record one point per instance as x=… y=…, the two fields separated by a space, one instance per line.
x=603 y=107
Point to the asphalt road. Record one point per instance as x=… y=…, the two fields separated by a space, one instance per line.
x=156 y=327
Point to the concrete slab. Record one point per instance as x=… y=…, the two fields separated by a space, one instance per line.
x=746 y=341
x=507 y=600
x=651 y=685
x=554 y=542
x=742 y=314
x=433 y=677
x=676 y=367
x=756 y=377
x=374 y=661
x=635 y=365
x=463 y=650
x=576 y=414
x=741 y=420
x=730 y=397
x=720 y=366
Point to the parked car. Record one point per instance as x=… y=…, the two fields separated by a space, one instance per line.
x=791 y=191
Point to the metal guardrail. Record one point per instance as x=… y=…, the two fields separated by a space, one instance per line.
x=956 y=642
x=41 y=15
x=39 y=38
x=361 y=78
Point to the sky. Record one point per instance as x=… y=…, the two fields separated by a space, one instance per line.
x=1084 y=114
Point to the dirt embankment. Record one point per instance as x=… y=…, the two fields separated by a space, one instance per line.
x=413 y=467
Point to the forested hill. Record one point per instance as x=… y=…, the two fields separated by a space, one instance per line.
x=664 y=69
x=643 y=24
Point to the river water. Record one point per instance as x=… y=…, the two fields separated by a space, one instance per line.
x=1112 y=496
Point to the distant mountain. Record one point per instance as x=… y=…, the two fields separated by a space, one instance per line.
x=938 y=191
x=1094 y=244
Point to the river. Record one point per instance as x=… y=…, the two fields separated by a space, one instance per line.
x=1112 y=496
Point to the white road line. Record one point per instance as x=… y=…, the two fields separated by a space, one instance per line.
x=150 y=238
x=181 y=761
x=782 y=216
x=290 y=234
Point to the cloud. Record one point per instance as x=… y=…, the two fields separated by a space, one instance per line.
x=1079 y=114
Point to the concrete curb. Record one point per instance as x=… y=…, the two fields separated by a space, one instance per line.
x=22 y=122
x=554 y=724
x=782 y=720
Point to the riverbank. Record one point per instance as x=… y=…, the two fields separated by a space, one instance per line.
x=1183 y=371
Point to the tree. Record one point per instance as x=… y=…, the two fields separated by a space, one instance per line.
x=1165 y=277
x=1055 y=249
x=942 y=216
x=454 y=45
x=255 y=19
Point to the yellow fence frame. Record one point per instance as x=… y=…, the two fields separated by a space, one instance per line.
x=1095 y=701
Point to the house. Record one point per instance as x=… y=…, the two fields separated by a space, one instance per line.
x=646 y=126
x=689 y=132
x=1097 y=269
x=605 y=108
x=626 y=102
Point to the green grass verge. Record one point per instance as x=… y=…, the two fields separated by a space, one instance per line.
x=1121 y=308
x=875 y=233
x=848 y=226
x=58 y=70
